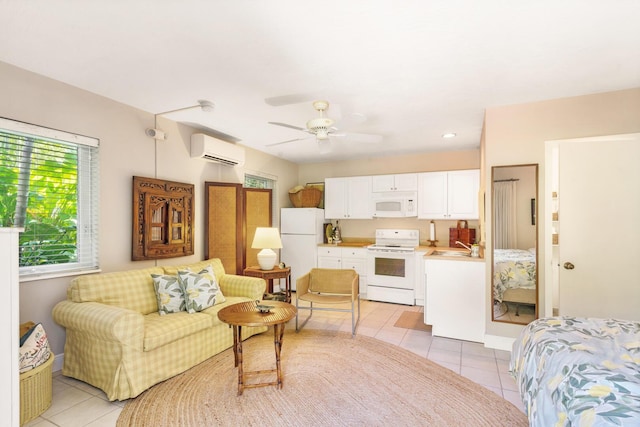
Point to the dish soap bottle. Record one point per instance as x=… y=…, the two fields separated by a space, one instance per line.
x=337 y=235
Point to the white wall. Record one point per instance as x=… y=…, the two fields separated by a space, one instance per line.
x=125 y=151
x=516 y=134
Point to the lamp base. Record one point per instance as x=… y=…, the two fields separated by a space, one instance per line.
x=267 y=259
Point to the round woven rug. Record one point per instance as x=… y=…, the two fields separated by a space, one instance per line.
x=330 y=379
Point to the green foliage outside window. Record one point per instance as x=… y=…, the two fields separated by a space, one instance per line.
x=38 y=192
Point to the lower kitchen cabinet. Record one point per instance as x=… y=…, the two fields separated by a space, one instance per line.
x=420 y=288
x=345 y=258
x=455 y=298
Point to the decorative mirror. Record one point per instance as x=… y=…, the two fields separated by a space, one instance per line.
x=514 y=257
x=162 y=219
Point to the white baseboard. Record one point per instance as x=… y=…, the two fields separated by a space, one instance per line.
x=499 y=343
x=58 y=362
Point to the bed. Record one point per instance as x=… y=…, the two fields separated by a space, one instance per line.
x=514 y=276
x=579 y=371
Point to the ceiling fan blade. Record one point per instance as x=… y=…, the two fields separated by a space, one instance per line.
x=294 y=98
x=284 y=142
x=287 y=126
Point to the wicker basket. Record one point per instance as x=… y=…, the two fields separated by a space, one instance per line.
x=35 y=391
x=306 y=198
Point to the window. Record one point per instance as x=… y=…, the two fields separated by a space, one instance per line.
x=49 y=187
x=255 y=181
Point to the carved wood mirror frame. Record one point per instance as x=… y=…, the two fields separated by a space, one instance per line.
x=162 y=219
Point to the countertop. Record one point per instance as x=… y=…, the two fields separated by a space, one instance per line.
x=428 y=250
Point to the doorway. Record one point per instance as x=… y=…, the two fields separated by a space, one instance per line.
x=592 y=238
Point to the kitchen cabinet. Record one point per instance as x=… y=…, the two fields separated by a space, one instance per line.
x=348 y=197
x=398 y=182
x=345 y=258
x=455 y=298
x=420 y=284
x=448 y=195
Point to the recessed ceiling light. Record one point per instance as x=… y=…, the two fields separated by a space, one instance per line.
x=448 y=135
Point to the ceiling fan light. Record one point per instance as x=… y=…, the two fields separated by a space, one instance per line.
x=324 y=146
x=322 y=134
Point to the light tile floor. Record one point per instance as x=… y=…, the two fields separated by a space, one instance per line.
x=76 y=404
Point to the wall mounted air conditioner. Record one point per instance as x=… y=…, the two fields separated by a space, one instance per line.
x=216 y=150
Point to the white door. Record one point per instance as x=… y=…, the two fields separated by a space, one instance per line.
x=599 y=231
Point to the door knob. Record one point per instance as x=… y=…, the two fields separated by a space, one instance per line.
x=569 y=266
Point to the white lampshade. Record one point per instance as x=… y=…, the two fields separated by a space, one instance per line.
x=266 y=238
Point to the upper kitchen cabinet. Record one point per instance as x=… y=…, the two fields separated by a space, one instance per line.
x=400 y=182
x=348 y=197
x=448 y=195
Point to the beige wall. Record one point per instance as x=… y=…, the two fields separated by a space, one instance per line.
x=125 y=151
x=516 y=134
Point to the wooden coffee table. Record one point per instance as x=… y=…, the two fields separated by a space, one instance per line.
x=247 y=314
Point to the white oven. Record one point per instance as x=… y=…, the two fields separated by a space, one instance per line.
x=391 y=266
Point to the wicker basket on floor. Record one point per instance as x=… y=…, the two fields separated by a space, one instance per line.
x=306 y=198
x=35 y=391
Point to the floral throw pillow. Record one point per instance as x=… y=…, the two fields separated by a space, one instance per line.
x=200 y=289
x=34 y=349
x=168 y=293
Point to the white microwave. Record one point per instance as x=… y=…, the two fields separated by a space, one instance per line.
x=395 y=204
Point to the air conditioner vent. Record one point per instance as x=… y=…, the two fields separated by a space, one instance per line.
x=215 y=150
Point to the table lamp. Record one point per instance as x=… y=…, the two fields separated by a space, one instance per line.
x=266 y=238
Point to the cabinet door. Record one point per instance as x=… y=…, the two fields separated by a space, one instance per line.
x=432 y=195
x=381 y=183
x=462 y=196
x=335 y=190
x=359 y=198
x=329 y=262
x=406 y=182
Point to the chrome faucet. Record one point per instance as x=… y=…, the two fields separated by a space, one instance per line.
x=462 y=244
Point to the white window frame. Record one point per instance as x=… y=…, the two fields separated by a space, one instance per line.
x=88 y=201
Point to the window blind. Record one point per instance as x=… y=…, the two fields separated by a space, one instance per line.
x=49 y=187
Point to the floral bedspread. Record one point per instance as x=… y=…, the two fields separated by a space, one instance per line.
x=513 y=268
x=579 y=372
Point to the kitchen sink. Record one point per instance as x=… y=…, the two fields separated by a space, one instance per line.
x=451 y=253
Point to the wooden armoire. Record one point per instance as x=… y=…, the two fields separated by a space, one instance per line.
x=232 y=215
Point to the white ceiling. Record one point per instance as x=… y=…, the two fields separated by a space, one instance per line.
x=414 y=69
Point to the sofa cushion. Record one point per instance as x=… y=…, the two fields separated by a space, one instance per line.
x=218 y=268
x=160 y=330
x=169 y=294
x=131 y=289
x=200 y=289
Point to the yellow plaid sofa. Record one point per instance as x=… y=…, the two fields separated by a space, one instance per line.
x=117 y=341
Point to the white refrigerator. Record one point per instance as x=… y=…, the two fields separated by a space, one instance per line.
x=301 y=230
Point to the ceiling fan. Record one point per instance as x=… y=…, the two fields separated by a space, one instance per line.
x=322 y=128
